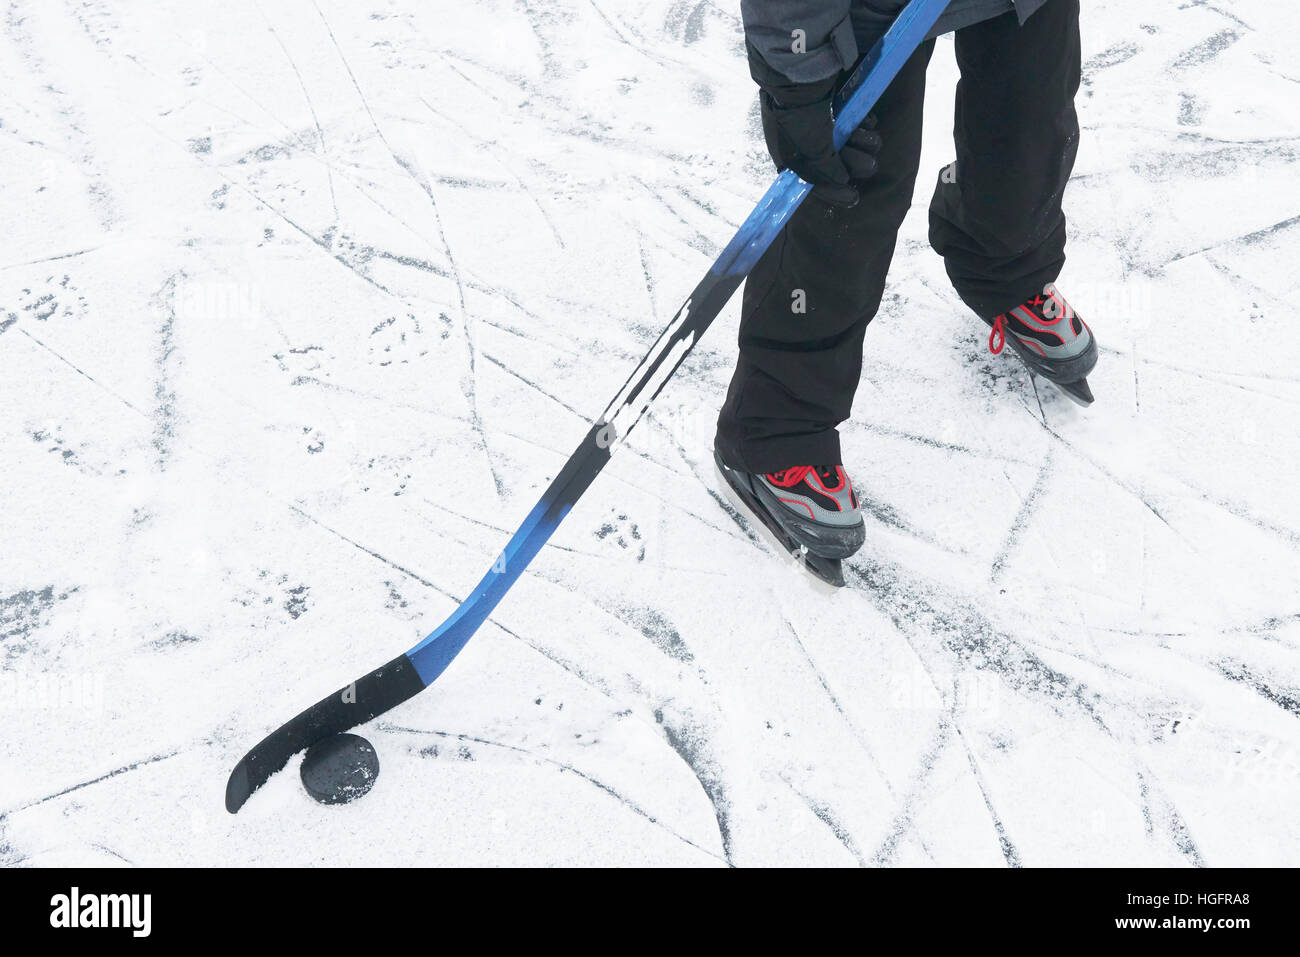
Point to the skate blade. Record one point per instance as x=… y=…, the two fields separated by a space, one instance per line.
x=1077 y=392
x=824 y=571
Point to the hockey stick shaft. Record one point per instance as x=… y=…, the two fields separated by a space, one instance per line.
x=412 y=672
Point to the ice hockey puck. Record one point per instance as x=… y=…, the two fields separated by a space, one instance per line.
x=339 y=769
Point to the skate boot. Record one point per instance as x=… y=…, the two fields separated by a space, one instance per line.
x=1051 y=340
x=811 y=511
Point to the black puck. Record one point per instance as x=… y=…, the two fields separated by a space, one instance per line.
x=339 y=769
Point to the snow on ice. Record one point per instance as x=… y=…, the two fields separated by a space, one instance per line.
x=302 y=304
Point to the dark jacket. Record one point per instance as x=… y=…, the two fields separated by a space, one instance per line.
x=835 y=29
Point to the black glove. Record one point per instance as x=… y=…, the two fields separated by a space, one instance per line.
x=798 y=127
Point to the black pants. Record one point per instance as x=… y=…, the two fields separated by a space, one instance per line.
x=999 y=228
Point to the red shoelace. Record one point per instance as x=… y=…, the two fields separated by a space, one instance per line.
x=998 y=334
x=789 y=478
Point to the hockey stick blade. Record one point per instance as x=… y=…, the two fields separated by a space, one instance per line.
x=384 y=688
x=405 y=676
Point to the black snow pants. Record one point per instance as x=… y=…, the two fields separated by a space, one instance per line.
x=995 y=218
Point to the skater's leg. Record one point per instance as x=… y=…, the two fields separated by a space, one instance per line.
x=999 y=226
x=809 y=299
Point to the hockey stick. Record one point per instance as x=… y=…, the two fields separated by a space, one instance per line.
x=409 y=674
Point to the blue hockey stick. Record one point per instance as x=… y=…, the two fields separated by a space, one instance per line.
x=410 y=673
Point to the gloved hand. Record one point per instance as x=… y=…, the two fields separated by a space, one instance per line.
x=798 y=127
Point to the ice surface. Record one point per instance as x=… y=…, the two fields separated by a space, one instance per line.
x=302 y=304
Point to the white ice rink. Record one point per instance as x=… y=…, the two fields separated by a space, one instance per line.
x=303 y=303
